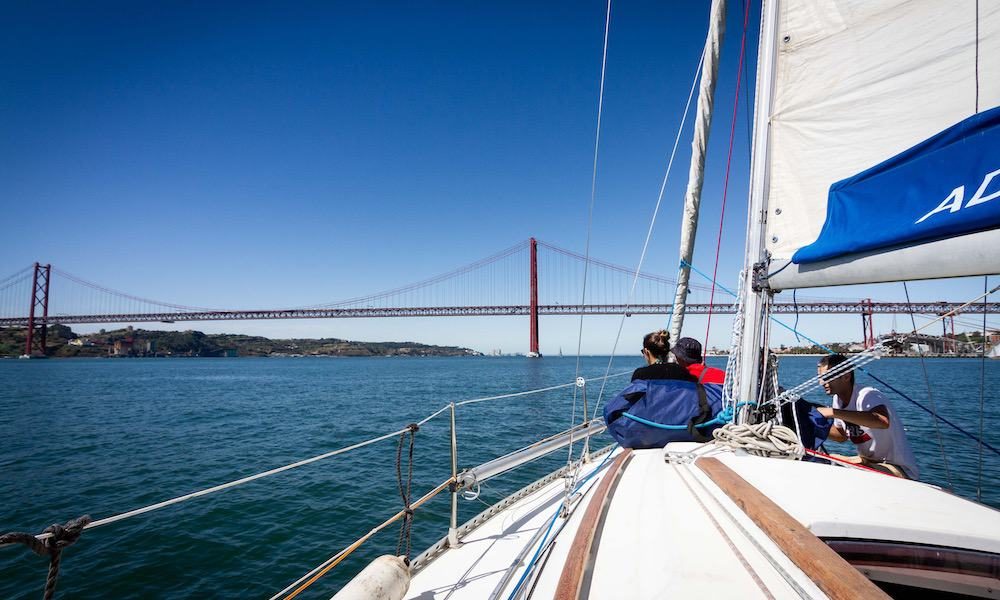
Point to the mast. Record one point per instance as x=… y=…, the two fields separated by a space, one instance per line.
x=696 y=172
x=751 y=351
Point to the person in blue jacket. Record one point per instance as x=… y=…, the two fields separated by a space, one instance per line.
x=656 y=351
x=663 y=403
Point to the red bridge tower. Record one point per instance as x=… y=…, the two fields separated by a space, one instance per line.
x=533 y=302
x=35 y=345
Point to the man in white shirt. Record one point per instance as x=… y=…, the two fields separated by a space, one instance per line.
x=864 y=416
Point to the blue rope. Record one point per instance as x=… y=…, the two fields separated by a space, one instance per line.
x=685 y=263
x=724 y=416
x=866 y=372
x=548 y=530
x=714 y=421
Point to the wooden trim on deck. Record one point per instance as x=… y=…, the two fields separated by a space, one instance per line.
x=579 y=553
x=831 y=573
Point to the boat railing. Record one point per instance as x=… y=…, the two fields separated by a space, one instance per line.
x=457 y=483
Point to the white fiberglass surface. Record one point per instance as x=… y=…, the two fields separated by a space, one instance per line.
x=855 y=503
x=667 y=536
x=490 y=553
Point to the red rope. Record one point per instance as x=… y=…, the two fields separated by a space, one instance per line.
x=847 y=462
x=729 y=162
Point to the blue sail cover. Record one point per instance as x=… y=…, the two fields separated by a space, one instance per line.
x=945 y=186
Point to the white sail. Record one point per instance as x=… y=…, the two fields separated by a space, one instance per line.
x=855 y=84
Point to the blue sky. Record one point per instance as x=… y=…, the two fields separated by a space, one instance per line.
x=256 y=155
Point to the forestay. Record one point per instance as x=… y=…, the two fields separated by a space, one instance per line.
x=872 y=126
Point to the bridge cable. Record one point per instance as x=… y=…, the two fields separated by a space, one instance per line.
x=930 y=395
x=590 y=224
x=10 y=279
x=122 y=295
x=652 y=223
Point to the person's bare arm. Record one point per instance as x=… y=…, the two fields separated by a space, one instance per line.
x=836 y=433
x=876 y=418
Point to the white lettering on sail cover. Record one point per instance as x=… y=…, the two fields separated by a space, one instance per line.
x=979 y=198
x=953 y=203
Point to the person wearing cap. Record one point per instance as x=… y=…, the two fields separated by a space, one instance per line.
x=687 y=353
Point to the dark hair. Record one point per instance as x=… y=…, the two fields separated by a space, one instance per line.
x=832 y=360
x=658 y=344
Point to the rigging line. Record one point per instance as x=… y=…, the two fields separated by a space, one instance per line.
x=959 y=309
x=795 y=303
x=618 y=268
x=930 y=395
x=234 y=483
x=950 y=313
x=725 y=536
x=944 y=420
x=982 y=391
x=541 y=545
x=516 y=394
x=590 y=219
x=652 y=222
x=746 y=94
x=729 y=162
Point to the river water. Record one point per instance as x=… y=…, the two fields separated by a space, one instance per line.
x=101 y=437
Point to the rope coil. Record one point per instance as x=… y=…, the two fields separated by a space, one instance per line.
x=763 y=439
x=59 y=538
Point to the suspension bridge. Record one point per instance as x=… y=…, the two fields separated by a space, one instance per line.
x=532 y=278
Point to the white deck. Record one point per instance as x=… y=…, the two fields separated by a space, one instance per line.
x=670 y=532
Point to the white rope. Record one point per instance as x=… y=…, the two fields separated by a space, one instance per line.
x=439 y=411
x=763 y=439
x=731 y=381
x=649 y=230
x=856 y=361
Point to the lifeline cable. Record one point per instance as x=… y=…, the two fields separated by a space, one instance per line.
x=248 y=479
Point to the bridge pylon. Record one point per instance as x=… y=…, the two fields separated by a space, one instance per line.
x=35 y=344
x=533 y=302
x=867 y=323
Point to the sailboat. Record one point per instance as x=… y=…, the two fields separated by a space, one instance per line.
x=876 y=157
